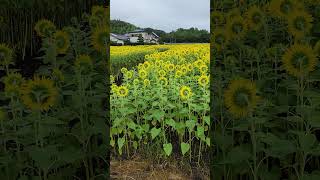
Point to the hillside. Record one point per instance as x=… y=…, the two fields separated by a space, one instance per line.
x=121 y=27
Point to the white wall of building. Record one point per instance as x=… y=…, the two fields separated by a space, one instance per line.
x=133 y=39
x=115 y=40
x=148 y=38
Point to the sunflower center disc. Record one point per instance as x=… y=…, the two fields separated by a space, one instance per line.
x=60 y=42
x=300 y=23
x=286 y=7
x=237 y=28
x=300 y=60
x=48 y=31
x=242 y=99
x=256 y=18
x=39 y=94
x=2 y=55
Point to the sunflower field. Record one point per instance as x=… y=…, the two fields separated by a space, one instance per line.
x=53 y=125
x=162 y=104
x=130 y=56
x=265 y=89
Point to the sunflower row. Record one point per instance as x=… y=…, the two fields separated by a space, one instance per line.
x=41 y=115
x=164 y=96
x=130 y=56
x=265 y=92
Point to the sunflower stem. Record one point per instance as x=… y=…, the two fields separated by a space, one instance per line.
x=254 y=149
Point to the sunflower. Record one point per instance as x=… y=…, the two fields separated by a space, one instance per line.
x=299 y=60
x=178 y=67
x=99 y=11
x=146 y=65
x=112 y=79
x=140 y=66
x=100 y=39
x=124 y=70
x=184 y=69
x=114 y=88
x=254 y=18
x=163 y=81
x=299 y=23
x=136 y=82
x=203 y=68
x=198 y=63
x=62 y=41
x=203 y=80
x=157 y=63
x=146 y=82
x=217 y=18
x=6 y=55
x=143 y=73
x=169 y=67
x=185 y=92
x=129 y=74
x=39 y=94
x=284 y=8
x=45 y=28
x=83 y=63
x=316 y=48
x=178 y=74
x=162 y=73
x=13 y=82
x=219 y=37
x=189 y=67
x=236 y=28
x=122 y=91
x=240 y=97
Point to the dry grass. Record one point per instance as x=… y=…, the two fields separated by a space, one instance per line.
x=139 y=169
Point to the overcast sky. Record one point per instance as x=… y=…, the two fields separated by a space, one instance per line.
x=165 y=15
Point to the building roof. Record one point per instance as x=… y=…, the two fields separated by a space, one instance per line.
x=119 y=36
x=141 y=30
x=155 y=34
x=137 y=31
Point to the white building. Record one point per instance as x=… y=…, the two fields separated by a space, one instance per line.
x=133 y=37
x=147 y=37
x=118 y=39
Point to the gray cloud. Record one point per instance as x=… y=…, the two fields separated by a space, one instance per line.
x=166 y=15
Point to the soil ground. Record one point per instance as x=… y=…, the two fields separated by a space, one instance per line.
x=140 y=169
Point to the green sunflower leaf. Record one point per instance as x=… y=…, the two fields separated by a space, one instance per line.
x=167 y=148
